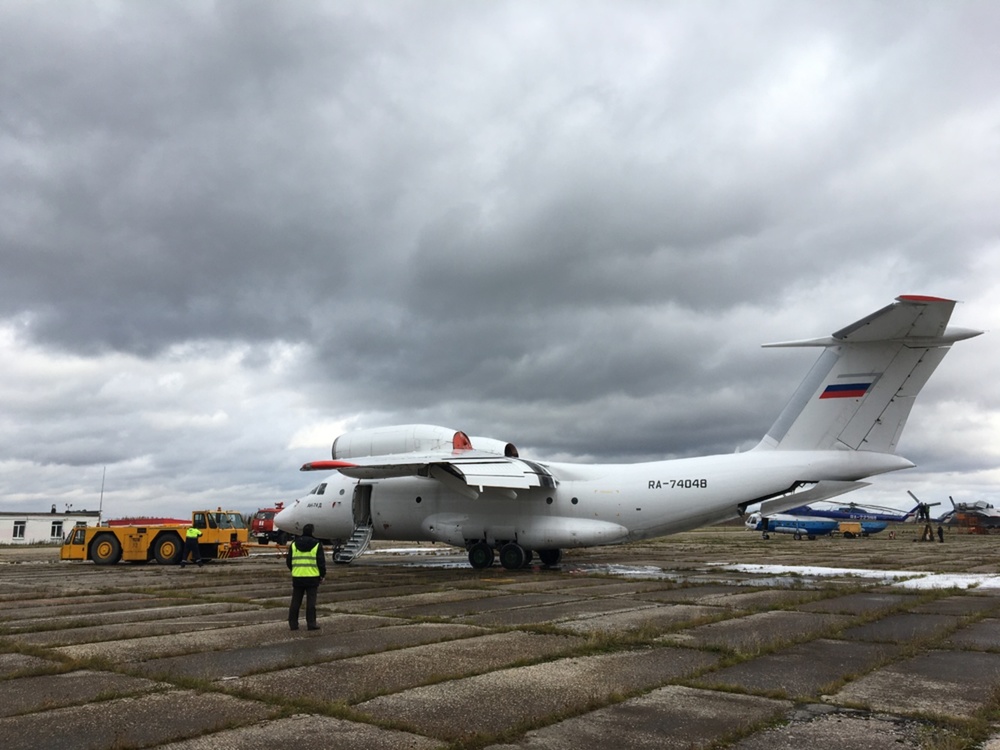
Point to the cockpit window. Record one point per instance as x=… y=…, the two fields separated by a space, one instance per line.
x=321 y=489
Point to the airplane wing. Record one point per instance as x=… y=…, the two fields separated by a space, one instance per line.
x=470 y=472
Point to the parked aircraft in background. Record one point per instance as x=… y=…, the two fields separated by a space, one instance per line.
x=984 y=512
x=979 y=513
x=857 y=512
x=797 y=526
x=824 y=518
x=422 y=482
x=811 y=525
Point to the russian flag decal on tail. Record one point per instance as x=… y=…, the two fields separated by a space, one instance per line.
x=846 y=390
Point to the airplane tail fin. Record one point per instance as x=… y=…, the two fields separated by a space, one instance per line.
x=859 y=393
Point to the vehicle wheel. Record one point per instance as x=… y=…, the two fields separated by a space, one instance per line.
x=550 y=557
x=512 y=556
x=481 y=555
x=106 y=549
x=848 y=535
x=167 y=549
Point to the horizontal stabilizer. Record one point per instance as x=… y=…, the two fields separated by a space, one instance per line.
x=820 y=491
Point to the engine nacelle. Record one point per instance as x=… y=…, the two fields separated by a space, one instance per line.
x=411 y=438
x=492 y=445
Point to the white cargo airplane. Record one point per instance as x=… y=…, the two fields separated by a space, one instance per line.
x=427 y=483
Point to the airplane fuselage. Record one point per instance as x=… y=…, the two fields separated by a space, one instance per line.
x=591 y=505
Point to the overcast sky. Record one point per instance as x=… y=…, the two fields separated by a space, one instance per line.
x=230 y=231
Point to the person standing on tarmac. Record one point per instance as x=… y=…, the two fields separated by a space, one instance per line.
x=307 y=562
x=191 y=546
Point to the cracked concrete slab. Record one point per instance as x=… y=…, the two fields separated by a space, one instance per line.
x=305 y=732
x=905 y=626
x=671 y=717
x=802 y=671
x=362 y=677
x=130 y=722
x=531 y=693
x=140 y=649
x=69 y=688
x=301 y=647
x=649 y=618
x=839 y=730
x=760 y=631
x=952 y=683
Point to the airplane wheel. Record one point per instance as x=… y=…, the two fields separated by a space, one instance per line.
x=550 y=557
x=797 y=536
x=512 y=556
x=481 y=555
x=106 y=549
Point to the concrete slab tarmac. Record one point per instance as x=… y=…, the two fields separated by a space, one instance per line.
x=305 y=732
x=671 y=717
x=651 y=619
x=983 y=636
x=564 y=685
x=842 y=730
x=950 y=683
x=802 y=671
x=360 y=678
x=299 y=649
x=759 y=632
x=903 y=626
x=52 y=691
x=863 y=603
x=142 y=721
x=638 y=646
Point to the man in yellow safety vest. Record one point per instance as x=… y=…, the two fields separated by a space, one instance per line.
x=308 y=565
x=191 y=546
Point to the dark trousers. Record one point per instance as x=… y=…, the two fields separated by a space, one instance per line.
x=298 y=589
x=191 y=548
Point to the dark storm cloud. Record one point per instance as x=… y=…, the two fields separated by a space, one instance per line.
x=569 y=225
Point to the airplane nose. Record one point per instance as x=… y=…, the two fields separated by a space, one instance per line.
x=286 y=520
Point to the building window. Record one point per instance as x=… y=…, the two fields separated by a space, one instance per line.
x=56 y=530
x=19 y=527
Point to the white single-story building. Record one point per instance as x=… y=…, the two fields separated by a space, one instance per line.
x=43 y=528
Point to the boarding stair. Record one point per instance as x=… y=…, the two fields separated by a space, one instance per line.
x=354 y=546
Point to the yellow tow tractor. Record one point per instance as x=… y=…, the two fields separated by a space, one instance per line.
x=224 y=533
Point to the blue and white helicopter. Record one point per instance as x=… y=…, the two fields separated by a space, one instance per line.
x=811 y=521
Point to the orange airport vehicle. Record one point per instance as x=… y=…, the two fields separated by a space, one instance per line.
x=224 y=533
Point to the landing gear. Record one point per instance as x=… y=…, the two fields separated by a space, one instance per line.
x=550 y=557
x=480 y=555
x=513 y=556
